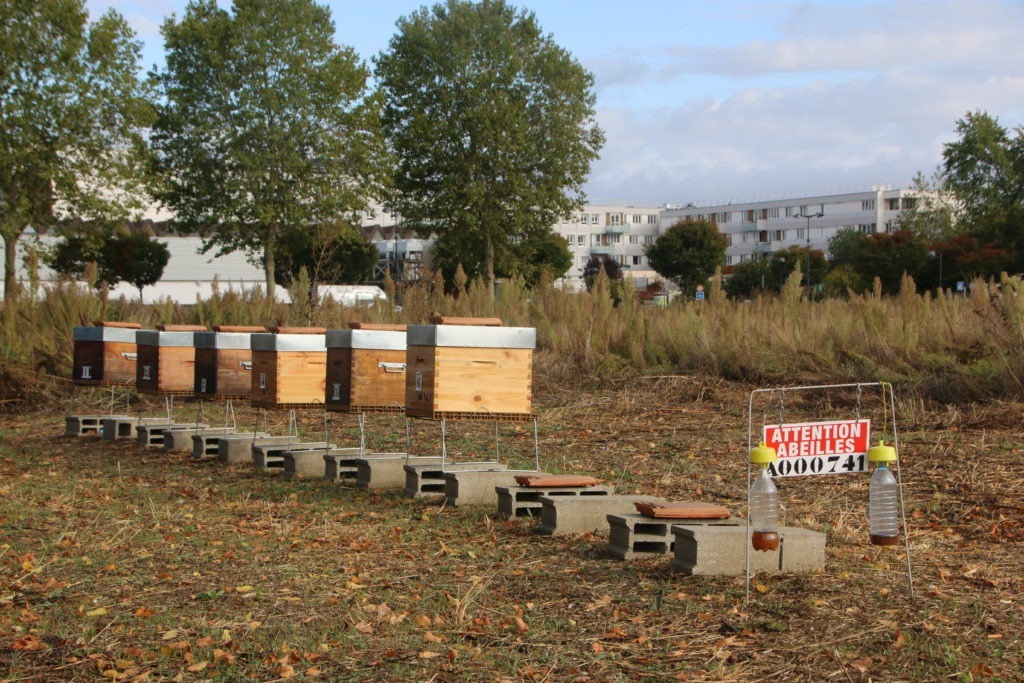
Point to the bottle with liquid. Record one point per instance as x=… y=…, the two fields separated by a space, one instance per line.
x=883 y=506
x=764 y=511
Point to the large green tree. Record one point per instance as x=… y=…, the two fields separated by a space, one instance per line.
x=493 y=125
x=688 y=253
x=266 y=124
x=132 y=257
x=72 y=116
x=331 y=253
x=984 y=168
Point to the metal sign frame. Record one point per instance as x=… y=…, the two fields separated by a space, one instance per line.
x=888 y=424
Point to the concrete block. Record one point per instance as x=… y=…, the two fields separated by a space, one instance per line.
x=387 y=470
x=634 y=535
x=178 y=437
x=238 y=447
x=571 y=515
x=340 y=464
x=149 y=431
x=84 y=425
x=313 y=464
x=271 y=456
x=477 y=487
x=206 y=442
x=118 y=427
x=427 y=479
x=716 y=550
x=524 y=501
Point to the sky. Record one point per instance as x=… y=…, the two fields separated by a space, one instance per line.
x=732 y=101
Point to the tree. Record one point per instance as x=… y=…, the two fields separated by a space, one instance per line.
x=136 y=258
x=265 y=126
x=493 y=125
x=597 y=263
x=688 y=253
x=857 y=259
x=72 y=115
x=985 y=170
x=132 y=257
x=331 y=254
x=528 y=258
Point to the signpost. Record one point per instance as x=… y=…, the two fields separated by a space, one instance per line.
x=836 y=447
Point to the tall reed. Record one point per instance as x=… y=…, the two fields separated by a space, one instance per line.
x=946 y=347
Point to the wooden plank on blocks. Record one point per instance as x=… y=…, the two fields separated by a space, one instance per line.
x=457 y=320
x=685 y=510
x=555 y=480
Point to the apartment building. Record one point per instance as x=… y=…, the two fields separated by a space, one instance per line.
x=768 y=226
x=619 y=232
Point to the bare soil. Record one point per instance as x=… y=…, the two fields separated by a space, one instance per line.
x=124 y=563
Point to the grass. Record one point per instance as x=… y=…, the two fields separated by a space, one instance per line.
x=125 y=563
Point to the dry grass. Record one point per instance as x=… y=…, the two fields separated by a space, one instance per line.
x=123 y=563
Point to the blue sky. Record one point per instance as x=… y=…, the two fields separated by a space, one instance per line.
x=733 y=101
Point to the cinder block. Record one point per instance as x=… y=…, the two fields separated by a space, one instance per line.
x=149 y=431
x=238 y=447
x=83 y=425
x=524 y=501
x=313 y=464
x=118 y=427
x=716 y=550
x=571 y=515
x=477 y=487
x=387 y=470
x=271 y=456
x=635 y=535
x=206 y=442
x=340 y=464
x=178 y=437
x=427 y=479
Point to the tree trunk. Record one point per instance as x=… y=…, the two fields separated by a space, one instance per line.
x=268 y=268
x=489 y=265
x=10 y=268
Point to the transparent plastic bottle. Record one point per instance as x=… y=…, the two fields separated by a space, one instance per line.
x=883 y=507
x=764 y=511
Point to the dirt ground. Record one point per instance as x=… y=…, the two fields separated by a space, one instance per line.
x=119 y=562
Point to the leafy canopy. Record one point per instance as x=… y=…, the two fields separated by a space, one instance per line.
x=72 y=117
x=688 y=253
x=266 y=125
x=493 y=125
x=984 y=168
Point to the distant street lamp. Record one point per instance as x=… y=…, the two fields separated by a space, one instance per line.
x=809 y=216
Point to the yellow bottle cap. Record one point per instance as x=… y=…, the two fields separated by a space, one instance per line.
x=762 y=454
x=881 y=453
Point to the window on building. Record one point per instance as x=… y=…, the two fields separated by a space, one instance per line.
x=773 y=213
x=867 y=205
x=652 y=219
x=894 y=204
x=762 y=237
x=638 y=219
x=801 y=234
x=615 y=238
x=866 y=228
x=648 y=239
x=634 y=239
x=594 y=218
x=749 y=217
x=614 y=219
x=581 y=239
x=789 y=212
x=909 y=203
x=638 y=260
x=779 y=235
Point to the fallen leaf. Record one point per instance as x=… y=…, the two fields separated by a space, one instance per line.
x=98 y=612
x=198 y=666
x=861 y=665
x=428 y=654
x=144 y=612
x=285 y=671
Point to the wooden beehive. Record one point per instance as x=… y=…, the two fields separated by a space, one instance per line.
x=469 y=372
x=224 y=361
x=366 y=368
x=104 y=354
x=166 y=360
x=289 y=368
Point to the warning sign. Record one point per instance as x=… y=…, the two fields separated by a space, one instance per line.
x=838 y=447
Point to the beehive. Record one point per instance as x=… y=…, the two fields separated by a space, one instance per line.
x=469 y=372
x=366 y=368
x=224 y=361
x=289 y=368
x=104 y=354
x=166 y=360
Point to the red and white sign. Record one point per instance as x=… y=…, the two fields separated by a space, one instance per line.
x=837 y=447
